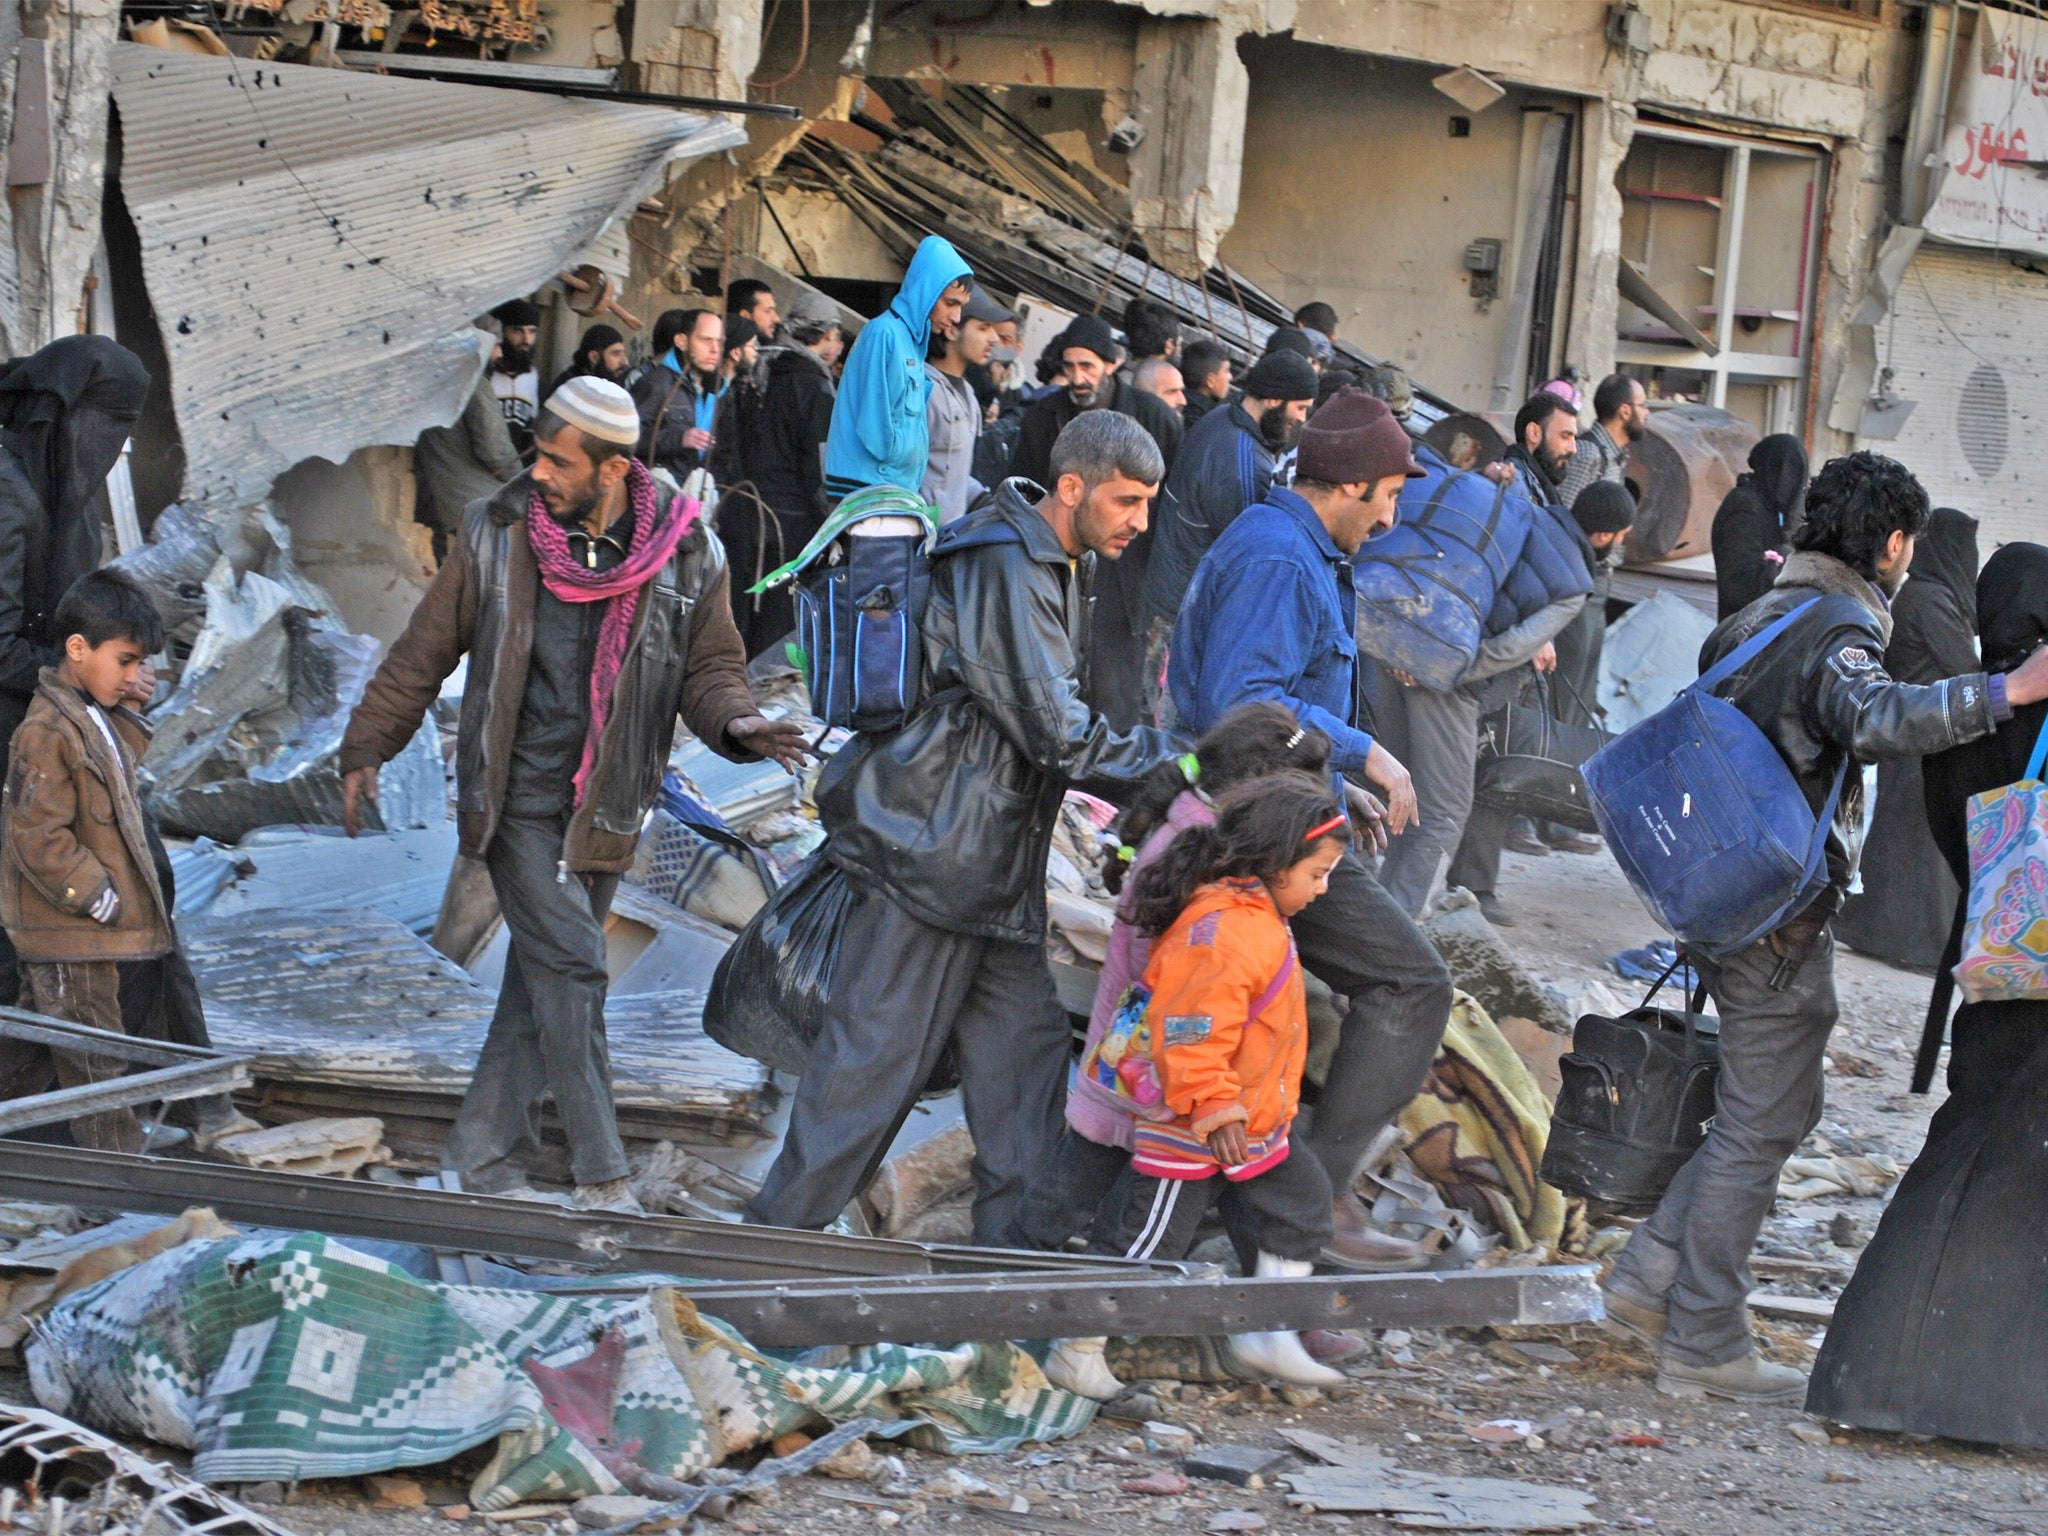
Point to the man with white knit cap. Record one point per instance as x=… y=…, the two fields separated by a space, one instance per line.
x=592 y=601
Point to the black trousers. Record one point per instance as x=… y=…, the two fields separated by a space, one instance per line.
x=1283 y=1211
x=547 y=1032
x=904 y=992
x=1358 y=941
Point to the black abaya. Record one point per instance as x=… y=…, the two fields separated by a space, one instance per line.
x=1755 y=520
x=1908 y=898
x=1942 y=1328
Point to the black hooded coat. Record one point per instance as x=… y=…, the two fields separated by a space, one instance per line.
x=1756 y=520
x=64 y=413
x=1908 y=898
x=1948 y=1295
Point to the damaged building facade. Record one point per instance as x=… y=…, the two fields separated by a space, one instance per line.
x=1774 y=208
x=1490 y=194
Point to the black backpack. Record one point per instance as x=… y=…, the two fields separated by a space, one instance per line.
x=1637 y=1100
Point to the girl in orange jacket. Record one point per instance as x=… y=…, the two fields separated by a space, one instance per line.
x=1223 y=1026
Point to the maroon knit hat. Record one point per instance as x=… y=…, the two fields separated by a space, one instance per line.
x=1354 y=438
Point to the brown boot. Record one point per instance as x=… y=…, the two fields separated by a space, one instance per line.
x=1356 y=1244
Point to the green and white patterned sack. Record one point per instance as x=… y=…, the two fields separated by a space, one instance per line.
x=301 y=1357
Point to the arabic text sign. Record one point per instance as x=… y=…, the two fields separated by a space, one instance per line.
x=1994 y=183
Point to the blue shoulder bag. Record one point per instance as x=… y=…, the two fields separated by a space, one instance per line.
x=1707 y=820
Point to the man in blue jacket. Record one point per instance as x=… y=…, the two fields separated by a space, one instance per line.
x=879 y=434
x=1225 y=465
x=1270 y=615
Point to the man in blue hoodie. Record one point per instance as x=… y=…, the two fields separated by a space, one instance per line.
x=879 y=434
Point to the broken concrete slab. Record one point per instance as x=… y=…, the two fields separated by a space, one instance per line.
x=1484 y=966
x=337 y=1148
x=1362 y=1479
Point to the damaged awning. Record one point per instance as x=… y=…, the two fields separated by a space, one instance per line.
x=317 y=242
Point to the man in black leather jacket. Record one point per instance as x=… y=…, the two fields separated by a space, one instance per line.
x=943 y=827
x=1820 y=693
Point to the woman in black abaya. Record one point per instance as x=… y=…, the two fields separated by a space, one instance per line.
x=1944 y=1326
x=1908 y=897
x=1755 y=522
x=64 y=413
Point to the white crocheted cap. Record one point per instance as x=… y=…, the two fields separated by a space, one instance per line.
x=597 y=407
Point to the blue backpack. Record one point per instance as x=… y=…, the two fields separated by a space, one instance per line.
x=1426 y=585
x=1706 y=819
x=860 y=601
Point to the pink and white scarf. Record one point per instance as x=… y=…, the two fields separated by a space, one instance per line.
x=656 y=533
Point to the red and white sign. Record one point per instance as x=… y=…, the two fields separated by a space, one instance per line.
x=1993 y=189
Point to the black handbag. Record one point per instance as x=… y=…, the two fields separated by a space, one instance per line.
x=1530 y=761
x=1636 y=1101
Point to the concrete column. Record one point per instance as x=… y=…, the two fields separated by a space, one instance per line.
x=1608 y=129
x=1188 y=90
x=50 y=227
x=696 y=47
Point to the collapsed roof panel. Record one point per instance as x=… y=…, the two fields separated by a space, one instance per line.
x=1027 y=218
x=317 y=242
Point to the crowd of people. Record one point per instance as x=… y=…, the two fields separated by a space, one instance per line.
x=1144 y=582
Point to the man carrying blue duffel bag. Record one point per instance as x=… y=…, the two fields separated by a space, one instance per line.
x=1750 y=872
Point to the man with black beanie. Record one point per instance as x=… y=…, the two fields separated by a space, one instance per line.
x=1116 y=665
x=1225 y=465
x=601 y=354
x=1270 y=616
x=1603 y=511
x=514 y=379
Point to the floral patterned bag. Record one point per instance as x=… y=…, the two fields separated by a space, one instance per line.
x=2005 y=935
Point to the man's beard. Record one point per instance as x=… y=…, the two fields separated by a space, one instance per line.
x=1083 y=395
x=609 y=375
x=1631 y=431
x=575 y=509
x=1280 y=433
x=1552 y=465
x=515 y=360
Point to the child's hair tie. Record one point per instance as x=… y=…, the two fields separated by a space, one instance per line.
x=1295 y=740
x=1190 y=767
x=1329 y=826
x=1126 y=854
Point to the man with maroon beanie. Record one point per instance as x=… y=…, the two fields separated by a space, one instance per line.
x=1269 y=615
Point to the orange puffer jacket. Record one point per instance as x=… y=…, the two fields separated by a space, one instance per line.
x=1215 y=1064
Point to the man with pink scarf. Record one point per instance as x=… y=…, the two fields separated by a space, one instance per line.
x=593 y=604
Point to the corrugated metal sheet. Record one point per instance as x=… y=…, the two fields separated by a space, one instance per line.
x=351 y=998
x=317 y=242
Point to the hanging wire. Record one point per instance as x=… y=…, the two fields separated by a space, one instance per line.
x=803 y=49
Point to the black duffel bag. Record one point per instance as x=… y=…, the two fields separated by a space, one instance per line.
x=1637 y=1098
x=1529 y=760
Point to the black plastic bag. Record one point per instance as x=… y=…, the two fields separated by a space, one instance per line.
x=768 y=994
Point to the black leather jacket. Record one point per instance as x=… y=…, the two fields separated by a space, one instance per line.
x=1820 y=691
x=951 y=816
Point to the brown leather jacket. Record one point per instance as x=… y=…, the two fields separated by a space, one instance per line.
x=73 y=826
x=684 y=656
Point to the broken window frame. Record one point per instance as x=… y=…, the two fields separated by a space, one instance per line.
x=1787 y=377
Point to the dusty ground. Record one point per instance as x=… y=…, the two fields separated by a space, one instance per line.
x=1718 y=1470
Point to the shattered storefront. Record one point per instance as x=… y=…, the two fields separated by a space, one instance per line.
x=1948 y=378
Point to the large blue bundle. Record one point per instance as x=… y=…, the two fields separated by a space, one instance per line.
x=1706 y=819
x=1552 y=568
x=1426 y=585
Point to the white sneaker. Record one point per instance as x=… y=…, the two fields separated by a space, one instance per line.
x=1077 y=1366
x=1279 y=1354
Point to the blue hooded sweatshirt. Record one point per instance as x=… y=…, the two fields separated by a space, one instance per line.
x=879 y=435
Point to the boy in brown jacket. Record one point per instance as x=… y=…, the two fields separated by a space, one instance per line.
x=78 y=888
